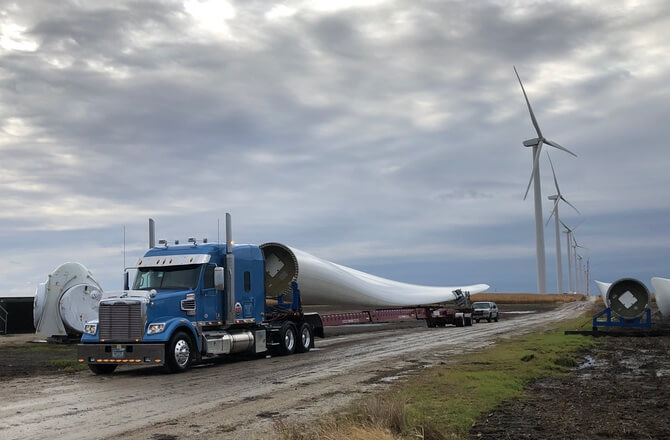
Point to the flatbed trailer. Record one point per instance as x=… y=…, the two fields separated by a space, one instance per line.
x=435 y=316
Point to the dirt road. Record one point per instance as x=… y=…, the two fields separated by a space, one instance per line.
x=238 y=398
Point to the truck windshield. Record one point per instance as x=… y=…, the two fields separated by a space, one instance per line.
x=177 y=277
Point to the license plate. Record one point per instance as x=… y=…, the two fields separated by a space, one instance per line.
x=117 y=353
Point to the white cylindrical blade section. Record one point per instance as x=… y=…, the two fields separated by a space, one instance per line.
x=324 y=282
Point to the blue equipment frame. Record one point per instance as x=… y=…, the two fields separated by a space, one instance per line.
x=616 y=321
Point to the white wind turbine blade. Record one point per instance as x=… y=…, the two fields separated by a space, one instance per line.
x=571 y=205
x=536 y=163
x=556 y=145
x=553 y=172
x=530 y=109
x=553 y=211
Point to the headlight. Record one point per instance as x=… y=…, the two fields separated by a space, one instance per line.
x=91 y=328
x=156 y=328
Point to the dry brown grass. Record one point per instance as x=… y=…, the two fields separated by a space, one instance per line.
x=527 y=298
x=331 y=430
x=373 y=418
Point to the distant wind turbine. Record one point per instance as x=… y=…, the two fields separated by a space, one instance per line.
x=554 y=212
x=569 y=237
x=578 y=272
x=537 y=143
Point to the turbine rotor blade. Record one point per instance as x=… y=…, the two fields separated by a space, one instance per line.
x=553 y=211
x=571 y=205
x=558 y=190
x=536 y=161
x=530 y=109
x=555 y=145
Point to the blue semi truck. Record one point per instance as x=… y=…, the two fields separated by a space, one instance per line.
x=194 y=301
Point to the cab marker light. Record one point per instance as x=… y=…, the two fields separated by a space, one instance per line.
x=158 y=361
x=81 y=360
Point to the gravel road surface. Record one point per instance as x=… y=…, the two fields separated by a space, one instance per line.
x=238 y=398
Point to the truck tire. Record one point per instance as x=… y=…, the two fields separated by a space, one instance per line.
x=102 y=369
x=468 y=321
x=477 y=321
x=489 y=318
x=287 y=339
x=305 y=338
x=179 y=352
x=496 y=318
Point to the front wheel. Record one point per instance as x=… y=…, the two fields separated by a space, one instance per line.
x=305 y=338
x=102 y=369
x=179 y=352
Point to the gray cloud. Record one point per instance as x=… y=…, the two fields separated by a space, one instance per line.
x=357 y=133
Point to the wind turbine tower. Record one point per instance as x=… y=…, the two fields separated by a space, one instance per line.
x=556 y=198
x=537 y=143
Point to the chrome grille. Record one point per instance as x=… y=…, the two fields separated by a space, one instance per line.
x=121 y=322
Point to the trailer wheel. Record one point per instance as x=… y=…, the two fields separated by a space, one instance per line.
x=179 y=352
x=102 y=369
x=305 y=338
x=288 y=339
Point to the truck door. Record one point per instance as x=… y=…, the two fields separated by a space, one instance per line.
x=211 y=301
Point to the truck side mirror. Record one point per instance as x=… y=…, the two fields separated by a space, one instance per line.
x=219 y=278
x=126 y=280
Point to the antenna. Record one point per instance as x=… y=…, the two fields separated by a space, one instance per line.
x=218 y=231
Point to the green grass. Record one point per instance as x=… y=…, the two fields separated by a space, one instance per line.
x=444 y=402
x=448 y=400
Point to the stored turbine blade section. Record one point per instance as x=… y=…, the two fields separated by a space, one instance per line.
x=324 y=282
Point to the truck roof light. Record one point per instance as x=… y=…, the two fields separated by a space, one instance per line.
x=163 y=242
x=192 y=240
x=204 y=240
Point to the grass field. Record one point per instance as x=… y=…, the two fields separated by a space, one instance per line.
x=444 y=402
x=527 y=298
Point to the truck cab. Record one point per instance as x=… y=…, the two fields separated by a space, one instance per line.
x=193 y=301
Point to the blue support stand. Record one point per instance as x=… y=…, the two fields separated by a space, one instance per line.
x=612 y=320
x=295 y=303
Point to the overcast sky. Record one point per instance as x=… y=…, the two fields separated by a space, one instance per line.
x=382 y=135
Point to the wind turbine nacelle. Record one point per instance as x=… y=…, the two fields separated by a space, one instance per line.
x=628 y=298
x=531 y=142
x=66 y=301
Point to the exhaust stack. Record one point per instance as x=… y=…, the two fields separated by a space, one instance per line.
x=230 y=273
x=152 y=233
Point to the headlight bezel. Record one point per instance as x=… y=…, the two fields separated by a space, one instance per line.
x=155 y=327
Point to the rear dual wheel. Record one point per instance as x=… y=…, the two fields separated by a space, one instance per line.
x=292 y=340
